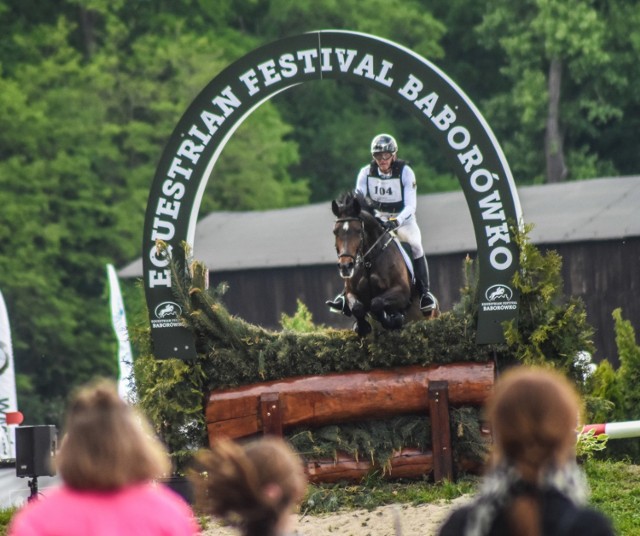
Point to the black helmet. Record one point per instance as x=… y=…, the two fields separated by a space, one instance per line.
x=384 y=143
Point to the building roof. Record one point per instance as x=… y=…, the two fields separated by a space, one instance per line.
x=577 y=211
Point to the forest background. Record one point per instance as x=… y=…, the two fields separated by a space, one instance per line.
x=90 y=91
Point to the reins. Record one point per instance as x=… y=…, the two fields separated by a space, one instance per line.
x=386 y=232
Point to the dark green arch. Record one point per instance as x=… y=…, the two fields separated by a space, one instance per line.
x=211 y=119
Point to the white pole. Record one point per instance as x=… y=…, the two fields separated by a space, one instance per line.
x=615 y=430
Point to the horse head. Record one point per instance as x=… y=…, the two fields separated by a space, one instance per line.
x=349 y=233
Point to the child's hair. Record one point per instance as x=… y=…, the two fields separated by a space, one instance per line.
x=252 y=486
x=107 y=444
x=534 y=415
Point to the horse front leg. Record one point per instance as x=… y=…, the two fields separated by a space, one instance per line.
x=359 y=311
x=389 y=306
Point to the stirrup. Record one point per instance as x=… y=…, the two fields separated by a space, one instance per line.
x=428 y=302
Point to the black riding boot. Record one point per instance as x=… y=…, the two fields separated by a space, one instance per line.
x=427 y=300
x=339 y=304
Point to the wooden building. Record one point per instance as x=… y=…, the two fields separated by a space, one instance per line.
x=271 y=259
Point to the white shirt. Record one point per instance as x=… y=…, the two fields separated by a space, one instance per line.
x=407 y=183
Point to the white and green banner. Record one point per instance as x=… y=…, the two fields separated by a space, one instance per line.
x=443 y=109
x=119 y=322
x=8 y=397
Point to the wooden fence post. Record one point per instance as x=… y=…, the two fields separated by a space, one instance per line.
x=440 y=430
x=271 y=414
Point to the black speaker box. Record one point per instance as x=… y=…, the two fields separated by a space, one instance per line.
x=35 y=450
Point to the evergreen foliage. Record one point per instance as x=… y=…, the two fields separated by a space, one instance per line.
x=618 y=391
x=372 y=440
x=378 y=440
x=550 y=329
x=300 y=322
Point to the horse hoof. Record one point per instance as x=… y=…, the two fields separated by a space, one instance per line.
x=362 y=329
x=392 y=321
x=396 y=321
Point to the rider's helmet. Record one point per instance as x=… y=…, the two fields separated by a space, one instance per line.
x=384 y=143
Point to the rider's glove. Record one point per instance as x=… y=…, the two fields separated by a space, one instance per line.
x=391 y=224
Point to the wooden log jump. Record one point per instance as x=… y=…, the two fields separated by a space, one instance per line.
x=273 y=407
x=404 y=464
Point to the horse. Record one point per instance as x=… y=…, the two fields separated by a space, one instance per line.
x=376 y=278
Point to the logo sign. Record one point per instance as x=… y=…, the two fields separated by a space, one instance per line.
x=499 y=293
x=166 y=315
x=498 y=298
x=167 y=310
x=444 y=111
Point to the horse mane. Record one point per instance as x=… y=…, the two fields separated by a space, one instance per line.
x=347 y=199
x=366 y=213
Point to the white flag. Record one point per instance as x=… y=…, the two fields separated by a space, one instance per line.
x=8 y=397
x=119 y=320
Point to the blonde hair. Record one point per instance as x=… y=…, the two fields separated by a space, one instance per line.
x=107 y=445
x=534 y=413
x=252 y=486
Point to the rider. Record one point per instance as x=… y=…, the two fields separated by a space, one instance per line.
x=391 y=185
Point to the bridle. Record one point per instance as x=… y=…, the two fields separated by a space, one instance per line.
x=361 y=258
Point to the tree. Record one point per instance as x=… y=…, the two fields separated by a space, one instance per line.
x=80 y=134
x=55 y=219
x=559 y=61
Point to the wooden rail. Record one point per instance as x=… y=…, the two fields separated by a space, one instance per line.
x=273 y=407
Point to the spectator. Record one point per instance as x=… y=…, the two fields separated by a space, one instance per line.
x=107 y=461
x=534 y=486
x=254 y=487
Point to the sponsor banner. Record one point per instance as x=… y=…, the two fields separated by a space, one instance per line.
x=498 y=304
x=8 y=396
x=119 y=321
x=446 y=113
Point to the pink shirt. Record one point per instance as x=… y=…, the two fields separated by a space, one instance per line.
x=140 y=510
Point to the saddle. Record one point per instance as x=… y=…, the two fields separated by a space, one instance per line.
x=405 y=249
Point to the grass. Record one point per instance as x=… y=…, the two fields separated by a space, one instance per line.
x=5 y=517
x=615 y=491
x=374 y=492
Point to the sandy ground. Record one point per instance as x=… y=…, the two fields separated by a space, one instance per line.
x=421 y=520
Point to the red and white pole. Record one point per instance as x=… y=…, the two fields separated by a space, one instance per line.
x=615 y=430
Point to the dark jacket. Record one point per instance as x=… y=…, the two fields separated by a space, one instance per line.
x=560 y=517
